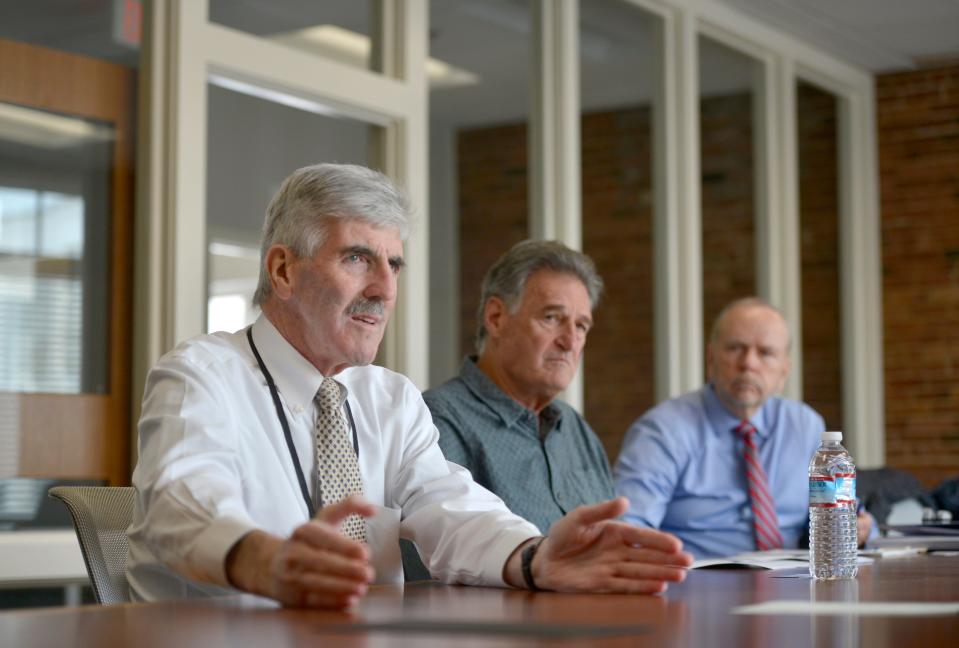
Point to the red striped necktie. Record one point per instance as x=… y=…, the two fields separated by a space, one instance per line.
x=764 y=508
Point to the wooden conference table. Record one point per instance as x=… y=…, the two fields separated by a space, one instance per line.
x=698 y=612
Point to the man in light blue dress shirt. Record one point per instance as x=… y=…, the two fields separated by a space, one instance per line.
x=681 y=464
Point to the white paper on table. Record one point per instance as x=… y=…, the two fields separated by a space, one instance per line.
x=775 y=559
x=843 y=608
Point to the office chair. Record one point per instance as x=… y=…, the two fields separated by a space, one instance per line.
x=101 y=516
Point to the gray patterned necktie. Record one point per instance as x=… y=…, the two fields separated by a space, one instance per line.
x=337 y=467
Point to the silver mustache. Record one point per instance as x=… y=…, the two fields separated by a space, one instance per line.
x=367 y=307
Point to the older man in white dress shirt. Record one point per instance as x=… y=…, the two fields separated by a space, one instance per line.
x=236 y=488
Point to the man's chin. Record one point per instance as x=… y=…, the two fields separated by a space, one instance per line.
x=366 y=348
x=559 y=381
x=747 y=401
x=360 y=357
x=741 y=398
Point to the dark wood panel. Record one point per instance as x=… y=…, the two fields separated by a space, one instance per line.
x=67 y=436
x=67 y=83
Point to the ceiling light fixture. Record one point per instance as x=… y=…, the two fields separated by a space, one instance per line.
x=47 y=130
x=352 y=48
x=273 y=96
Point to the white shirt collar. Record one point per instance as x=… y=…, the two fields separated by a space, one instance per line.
x=296 y=378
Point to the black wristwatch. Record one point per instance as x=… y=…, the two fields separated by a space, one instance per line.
x=527 y=564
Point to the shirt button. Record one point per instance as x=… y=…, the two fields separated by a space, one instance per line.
x=297 y=409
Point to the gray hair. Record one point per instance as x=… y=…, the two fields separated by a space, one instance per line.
x=506 y=279
x=309 y=197
x=747 y=301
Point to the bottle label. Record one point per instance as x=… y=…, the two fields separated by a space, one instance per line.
x=822 y=491
x=846 y=488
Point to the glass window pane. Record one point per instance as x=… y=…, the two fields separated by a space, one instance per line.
x=253 y=144
x=227 y=312
x=18 y=220
x=478 y=160
x=819 y=230
x=54 y=195
x=618 y=59
x=728 y=176
x=342 y=30
x=67 y=128
x=55 y=200
x=61 y=225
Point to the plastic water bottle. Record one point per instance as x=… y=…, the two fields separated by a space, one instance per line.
x=832 y=511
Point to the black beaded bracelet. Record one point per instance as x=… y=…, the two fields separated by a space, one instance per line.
x=527 y=564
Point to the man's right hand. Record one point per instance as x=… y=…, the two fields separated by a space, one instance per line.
x=589 y=550
x=317 y=566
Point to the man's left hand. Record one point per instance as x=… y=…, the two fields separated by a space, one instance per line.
x=589 y=551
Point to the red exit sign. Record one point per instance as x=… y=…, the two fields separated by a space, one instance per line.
x=127 y=21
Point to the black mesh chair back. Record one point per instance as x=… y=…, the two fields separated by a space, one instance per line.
x=101 y=516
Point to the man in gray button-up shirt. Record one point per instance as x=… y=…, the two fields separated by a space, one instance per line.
x=498 y=418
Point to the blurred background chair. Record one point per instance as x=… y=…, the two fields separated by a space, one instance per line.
x=946 y=497
x=101 y=516
x=893 y=496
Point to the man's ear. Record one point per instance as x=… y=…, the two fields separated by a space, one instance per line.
x=494 y=316
x=279 y=266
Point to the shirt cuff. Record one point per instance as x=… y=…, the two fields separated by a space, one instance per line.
x=494 y=560
x=212 y=546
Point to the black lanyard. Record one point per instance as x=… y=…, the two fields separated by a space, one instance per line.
x=286 y=426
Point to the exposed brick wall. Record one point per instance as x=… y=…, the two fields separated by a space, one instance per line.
x=617 y=230
x=727 y=203
x=493 y=209
x=918 y=123
x=728 y=174
x=819 y=250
